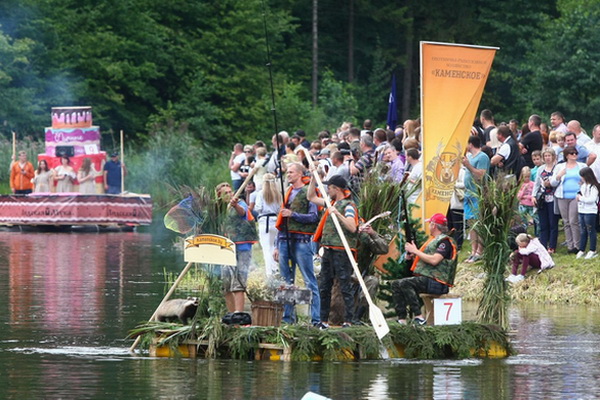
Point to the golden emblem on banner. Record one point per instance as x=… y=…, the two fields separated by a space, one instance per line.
x=441 y=173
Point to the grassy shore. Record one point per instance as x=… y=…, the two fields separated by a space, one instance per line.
x=571 y=281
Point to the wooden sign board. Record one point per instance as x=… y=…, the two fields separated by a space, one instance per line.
x=210 y=249
x=447 y=311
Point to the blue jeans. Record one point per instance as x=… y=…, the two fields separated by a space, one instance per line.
x=587 y=226
x=301 y=255
x=113 y=190
x=548 y=225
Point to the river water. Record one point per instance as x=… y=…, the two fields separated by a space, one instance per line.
x=69 y=299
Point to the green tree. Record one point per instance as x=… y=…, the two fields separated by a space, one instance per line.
x=563 y=66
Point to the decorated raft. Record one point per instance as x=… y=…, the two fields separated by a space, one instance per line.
x=75 y=209
x=73 y=135
x=304 y=343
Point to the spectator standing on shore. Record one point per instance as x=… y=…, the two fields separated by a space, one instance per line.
x=236 y=160
x=21 y=174
x=587 y=206
x=532 y=141
x=582 y=152
x=557 y=120
x=477 y=165
x=548 y=228
x=525 y=196
x=566 y=181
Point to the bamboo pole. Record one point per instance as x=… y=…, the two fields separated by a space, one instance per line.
x=14 y=147
x=244 y=184
x=122 y=163
x=167 y=296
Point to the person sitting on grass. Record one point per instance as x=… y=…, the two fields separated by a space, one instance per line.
x=530 y=253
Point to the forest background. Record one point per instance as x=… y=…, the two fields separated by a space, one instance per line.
x=185 y=80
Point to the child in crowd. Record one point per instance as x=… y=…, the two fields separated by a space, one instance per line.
x=536 y=157
x=557 y=142
x=525 y=196
x=530 y=252
x=587 y=207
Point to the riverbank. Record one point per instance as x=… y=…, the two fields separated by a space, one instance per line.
x=571 y=281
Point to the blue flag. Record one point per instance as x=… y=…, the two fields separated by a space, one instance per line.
x=392 y=116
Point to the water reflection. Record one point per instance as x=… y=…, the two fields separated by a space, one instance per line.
x=70 y=298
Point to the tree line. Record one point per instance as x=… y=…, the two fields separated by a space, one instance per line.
x=202 y=65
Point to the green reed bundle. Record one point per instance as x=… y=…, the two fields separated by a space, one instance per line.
x=497 y=207
x=377 y=195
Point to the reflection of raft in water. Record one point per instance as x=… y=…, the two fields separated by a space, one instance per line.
x=302 y=343
x=72 y=209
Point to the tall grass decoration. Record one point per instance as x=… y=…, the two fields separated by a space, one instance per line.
x=377 y=195
x=497 y=207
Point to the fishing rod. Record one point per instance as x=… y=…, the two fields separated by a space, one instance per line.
x=278 y=139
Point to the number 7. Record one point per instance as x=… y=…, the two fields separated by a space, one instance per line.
x=449 y=308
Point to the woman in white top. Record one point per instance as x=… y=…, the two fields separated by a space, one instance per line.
x=64 y=174
x=587 y=206
x=268 y=203
x=87 y=177
x=43 y=178
x=530 y=253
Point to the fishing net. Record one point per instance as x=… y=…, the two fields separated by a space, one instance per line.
x=182 y=218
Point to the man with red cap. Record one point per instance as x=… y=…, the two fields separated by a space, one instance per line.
x=434 y=267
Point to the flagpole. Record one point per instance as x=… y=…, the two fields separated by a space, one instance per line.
x=422 y=140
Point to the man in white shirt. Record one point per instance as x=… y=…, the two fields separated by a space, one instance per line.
x=557 y=120
x=415 y=174
x=236 y=160
x=594 y=148
x=575 y=127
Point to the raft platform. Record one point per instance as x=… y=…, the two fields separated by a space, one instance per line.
x=101 y=211
x=303 y=343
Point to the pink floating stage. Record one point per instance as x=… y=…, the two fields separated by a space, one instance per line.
x=75 y=209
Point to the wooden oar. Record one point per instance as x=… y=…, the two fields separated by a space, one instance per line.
x=244 y=184
x=167 y=296
x=375 y=314
x=14 y=148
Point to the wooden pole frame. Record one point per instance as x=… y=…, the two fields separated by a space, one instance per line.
x=122 y=164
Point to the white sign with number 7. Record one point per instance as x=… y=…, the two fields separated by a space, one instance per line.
x=447 y=311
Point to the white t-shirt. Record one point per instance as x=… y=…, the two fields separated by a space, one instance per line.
x=504 y=150
x=239 y=159
x=594 y=147
x=416 y=173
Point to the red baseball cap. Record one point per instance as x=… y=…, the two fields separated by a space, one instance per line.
x=438 y=218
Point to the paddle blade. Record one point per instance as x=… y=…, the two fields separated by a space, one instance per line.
x=378 y=321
